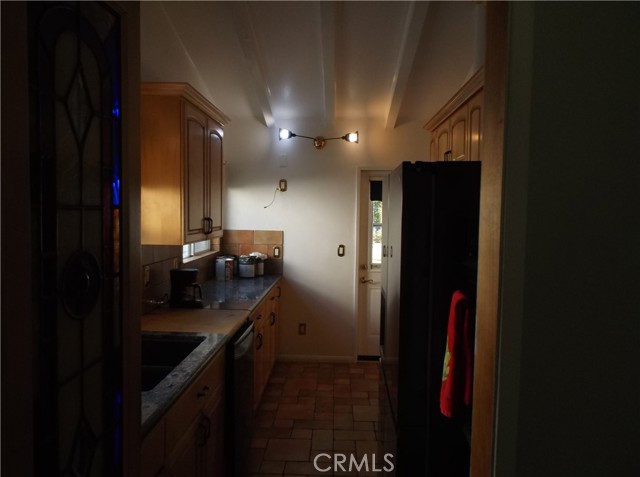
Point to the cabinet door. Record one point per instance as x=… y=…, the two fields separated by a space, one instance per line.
x=475 y=122
x=185 y=459
x=152 y=452
x=458 y=131
x=274 y=305
x=442 y=141
x=196 y=168
x=258 y=358
x=433 y=150
x=214 y=464
x=215 y=178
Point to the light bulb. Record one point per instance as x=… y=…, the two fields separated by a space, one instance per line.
x=284 y=134
x=351 y=137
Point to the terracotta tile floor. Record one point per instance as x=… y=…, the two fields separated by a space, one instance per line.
x=313 y=408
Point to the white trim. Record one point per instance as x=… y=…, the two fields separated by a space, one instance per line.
x=199 y=256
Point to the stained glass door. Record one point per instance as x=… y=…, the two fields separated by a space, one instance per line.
x=75 y=135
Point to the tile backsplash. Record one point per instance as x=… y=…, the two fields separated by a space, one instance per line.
x=243 y=242
x=157 y=260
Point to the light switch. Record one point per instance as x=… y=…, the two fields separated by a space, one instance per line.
x=340 y=250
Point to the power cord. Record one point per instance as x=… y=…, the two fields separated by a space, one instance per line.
x=274 y=198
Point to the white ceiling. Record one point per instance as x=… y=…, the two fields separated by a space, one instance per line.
x=280 y=62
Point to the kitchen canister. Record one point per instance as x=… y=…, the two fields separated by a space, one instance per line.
x=247 y=266
x=260 y=259
x=224 y=268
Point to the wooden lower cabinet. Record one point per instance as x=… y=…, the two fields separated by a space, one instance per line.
x=273 y=303
x=258 y=318
x=265 y=319
x=200 y=452
x=189 y=440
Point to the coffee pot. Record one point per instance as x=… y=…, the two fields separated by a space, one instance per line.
x=185 y=291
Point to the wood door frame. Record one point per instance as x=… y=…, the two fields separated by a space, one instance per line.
x=17 y=327
x=130 y=246
x=483 y=438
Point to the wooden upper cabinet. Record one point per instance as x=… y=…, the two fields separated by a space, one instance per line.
x=456 y=128
x=181 y=165
x=195 y=174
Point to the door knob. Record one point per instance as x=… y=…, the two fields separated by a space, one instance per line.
x=364 y=280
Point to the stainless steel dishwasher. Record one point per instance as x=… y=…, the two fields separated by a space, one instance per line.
x=239 y=412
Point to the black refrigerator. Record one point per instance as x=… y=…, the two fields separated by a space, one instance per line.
x=431 y=251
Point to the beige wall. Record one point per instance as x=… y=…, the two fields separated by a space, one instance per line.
x=317 y=213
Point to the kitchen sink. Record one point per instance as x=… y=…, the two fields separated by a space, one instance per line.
x=162 y=353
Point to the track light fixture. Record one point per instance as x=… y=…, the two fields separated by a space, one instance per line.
x=318 y=142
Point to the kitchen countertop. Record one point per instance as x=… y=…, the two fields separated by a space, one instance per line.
x=228 y=305
x=239 y=294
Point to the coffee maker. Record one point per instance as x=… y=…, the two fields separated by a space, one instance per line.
x=185 y=291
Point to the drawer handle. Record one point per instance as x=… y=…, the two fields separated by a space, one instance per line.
x=203 y=392
x=204 y=431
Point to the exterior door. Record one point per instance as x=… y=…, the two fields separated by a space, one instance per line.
x=370 y=230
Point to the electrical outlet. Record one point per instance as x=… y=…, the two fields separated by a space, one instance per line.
x=282 y=185
x=302 y=328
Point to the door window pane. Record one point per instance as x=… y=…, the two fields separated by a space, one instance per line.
x=376 y=233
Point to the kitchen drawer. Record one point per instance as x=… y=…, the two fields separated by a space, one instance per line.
x=197 y=396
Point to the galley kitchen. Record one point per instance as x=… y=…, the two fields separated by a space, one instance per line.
x=306 y=238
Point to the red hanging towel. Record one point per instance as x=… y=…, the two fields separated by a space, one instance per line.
x=457 y=372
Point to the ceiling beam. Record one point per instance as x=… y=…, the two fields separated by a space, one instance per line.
x=414 y=21
x=254 y=59
x=328 y=49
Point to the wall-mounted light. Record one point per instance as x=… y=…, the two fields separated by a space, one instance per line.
x=319 y=142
